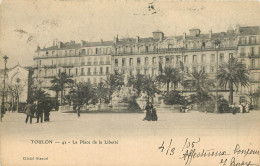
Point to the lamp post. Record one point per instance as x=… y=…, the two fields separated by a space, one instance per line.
x=217 y=47
x=3 y=95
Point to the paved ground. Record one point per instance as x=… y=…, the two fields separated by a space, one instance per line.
x=128 y=129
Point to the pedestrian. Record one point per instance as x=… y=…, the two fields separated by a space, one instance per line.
x=47 y=109
x=244 y=108
x=240 y=108
x=154 y=114
x=78 y=110
x=247 y=108
x=148 y=109
x=39 y=111
x=29 y=111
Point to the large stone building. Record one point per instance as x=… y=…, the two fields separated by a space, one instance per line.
x=91 y=61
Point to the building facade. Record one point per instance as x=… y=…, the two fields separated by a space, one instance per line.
x=91 y=61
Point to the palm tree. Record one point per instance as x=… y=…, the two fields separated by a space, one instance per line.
x=169 y=75
x=100 y=91
x=198 y=81
x=136 y=82
x=233 y=73
x=58 y=83
x=149 y=87
x=40 y=95
x=81 y=93
x=112 y=82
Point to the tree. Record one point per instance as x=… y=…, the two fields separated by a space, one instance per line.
x=81 y=93
x=149 y=87
x=169 y=75
x=113 y=82
x=40 y=95
x=15 y=92
x=198 y=81
x=101 y=91
x=137 y=82
x=59 y=83
x=233 y=73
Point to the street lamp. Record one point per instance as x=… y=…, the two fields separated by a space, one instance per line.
x=3 y=95
x=217 y=47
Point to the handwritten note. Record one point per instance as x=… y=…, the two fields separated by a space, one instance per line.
x=191 y=150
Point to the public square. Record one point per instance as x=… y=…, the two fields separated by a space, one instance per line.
x=139 y=138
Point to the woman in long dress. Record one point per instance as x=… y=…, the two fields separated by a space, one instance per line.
x=148 y=109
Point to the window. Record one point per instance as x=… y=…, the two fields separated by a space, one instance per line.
x=101 y=70
x=153 y=71
x=138 y=61
x=167 y=60
x=138 y=71
x=116 y=71
x=123 y=71
x=154 y=60
x=185 y=59
x=40 y=63
x=242 y=40
x=116 y=62
x=131 y=72
x=203 y=68
x=242 y=52
x=252 y=40
x=123 y=62
x=203 y=58
x=212 y=69
x=212 y=58
x=59 y=71
x=252 y=63
x=89 y=70
x=47 y=53
x=76 y=71
x=95 y=70
x=107 y=70
x=146 y=61
x=145 y=71
x=194 y=59
x=252 y=51
x=53 y=52
x=89 y=81
x=130 y=61
x=69 y=71
x=221 y=58
x=82 y=70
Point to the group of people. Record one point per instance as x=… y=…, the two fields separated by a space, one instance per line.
x=151 y=114
x=41 y=109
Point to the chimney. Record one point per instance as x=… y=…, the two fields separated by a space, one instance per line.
x=72 y=42
x=137 y=39
x=210 y=34
x=38 y=48
x=60 y=44
x=116 y=39
x=161 y=37
x=184 y=36
x=158 y=35
x=82 y=42
x=237 y=29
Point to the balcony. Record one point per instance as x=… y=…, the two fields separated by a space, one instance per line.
x=108 y=62
x=89 y=63
x=88 y=73
x=67 y=65
x=240 y=43
x=95 y=63
x=254 y=55
x=253 y=68
x=82 y=73
x=101 y=62
x=242 y=55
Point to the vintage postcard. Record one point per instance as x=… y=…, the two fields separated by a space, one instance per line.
x=129 y=83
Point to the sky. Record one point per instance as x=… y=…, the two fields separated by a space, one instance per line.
x=24 y=24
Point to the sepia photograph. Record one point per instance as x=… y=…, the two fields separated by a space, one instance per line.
x=129 y=83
